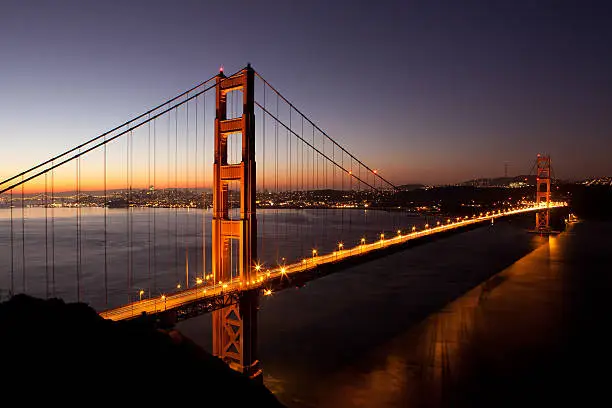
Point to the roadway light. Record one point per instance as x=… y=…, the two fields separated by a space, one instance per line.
x=198 y=281
x=140 y=294
x=257 y=267
x=362 y=241
x=399 y=232
x=413 y=228
x=314 y=253
x=340 y=246
x=178 y=286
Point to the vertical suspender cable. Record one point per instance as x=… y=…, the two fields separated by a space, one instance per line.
x=150 y=197
x=53 y=229
x=12 y=247
x=156 y=198
x=131 y=213
x=299 y=174
x=23 y=258
x=46 y=240
x=195 y=190
x=78 y=231
x=105 y=230
x=204 y=187
x=187 y=195
x=176 y=196
x=188 y=203
x=287 y=181
x=168 y=191
x=263 y=219
x=127 y=214
x=276 y=179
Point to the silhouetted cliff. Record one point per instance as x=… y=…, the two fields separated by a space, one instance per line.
x=58 y=352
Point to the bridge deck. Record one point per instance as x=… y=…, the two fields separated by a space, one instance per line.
x=201 y=293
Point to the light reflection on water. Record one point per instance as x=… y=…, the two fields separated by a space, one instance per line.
x=505 y=340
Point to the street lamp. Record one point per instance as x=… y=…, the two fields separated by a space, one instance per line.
x=140 y=294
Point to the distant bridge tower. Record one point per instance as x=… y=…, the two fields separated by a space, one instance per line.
x=235 y=326
x=543 y=193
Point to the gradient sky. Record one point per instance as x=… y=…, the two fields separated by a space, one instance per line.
x=426 y=91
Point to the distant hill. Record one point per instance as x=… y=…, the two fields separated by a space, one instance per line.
x=517 y=181
x=410 y=187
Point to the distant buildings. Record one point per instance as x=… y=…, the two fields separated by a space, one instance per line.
x=598 y=181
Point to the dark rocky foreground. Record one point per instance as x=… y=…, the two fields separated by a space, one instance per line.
x=58 y=352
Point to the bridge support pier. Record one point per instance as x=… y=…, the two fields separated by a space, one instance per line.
x=235 y=327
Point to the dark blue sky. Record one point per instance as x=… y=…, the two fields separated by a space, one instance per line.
x=426 y=91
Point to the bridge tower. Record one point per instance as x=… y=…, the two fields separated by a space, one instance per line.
x=235 y=326
x=543 y=193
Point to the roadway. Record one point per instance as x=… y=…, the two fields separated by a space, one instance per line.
x=205 y=291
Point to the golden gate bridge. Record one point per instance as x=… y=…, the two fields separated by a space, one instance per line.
x=265 y=153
